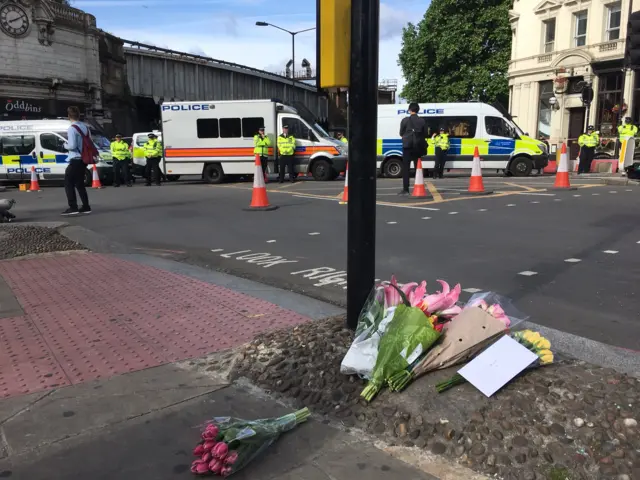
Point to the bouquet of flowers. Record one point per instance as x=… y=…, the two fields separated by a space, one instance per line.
x=532 y=340
x=229 y=444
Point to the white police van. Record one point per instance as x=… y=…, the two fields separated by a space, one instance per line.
x=500 y=142
x=215 y=139
x=40 y=143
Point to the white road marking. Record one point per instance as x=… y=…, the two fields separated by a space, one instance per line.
x=537 y=194
x=483 y=210
x=573 y=260
x=557 y=200
x=426 y=218
x=511 y=205
x=629 y=190
x=271 y=241
x=314 y=233
x=577 y=195
x=535 y=202
x=391 y=223
x=432 y=209
x=613 y=191
x=453 y=213
x=611 y=252
x=217 y=250
x=471 y=290
x=595 y=194
x=318 y=198
x=528 y=273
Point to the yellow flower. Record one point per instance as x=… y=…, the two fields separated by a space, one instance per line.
x=546 y=359
x=532 y=337
x=542 y=353
x=543 y=344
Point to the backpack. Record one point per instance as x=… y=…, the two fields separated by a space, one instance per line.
x=414 y=139
x=89 y=152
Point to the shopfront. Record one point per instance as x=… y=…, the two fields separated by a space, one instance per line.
x=16 y=108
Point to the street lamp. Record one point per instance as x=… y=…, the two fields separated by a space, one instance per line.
x=293 y=48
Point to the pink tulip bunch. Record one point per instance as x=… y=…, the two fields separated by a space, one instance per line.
x=215 y=457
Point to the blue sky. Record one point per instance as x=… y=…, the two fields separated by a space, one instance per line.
x=225 y=29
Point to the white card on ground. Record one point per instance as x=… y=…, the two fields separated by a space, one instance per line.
x=497 y=365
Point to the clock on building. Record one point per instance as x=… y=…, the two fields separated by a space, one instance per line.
x=14 y=20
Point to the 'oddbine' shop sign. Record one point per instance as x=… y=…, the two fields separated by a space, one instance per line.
x=15 y=106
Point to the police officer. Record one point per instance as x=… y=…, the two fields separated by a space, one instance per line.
x=261 y=144
x=121 y=155
x=627 y=130
x=441 y=142
x=588 y=143
x=153 y=154
x=286 y=151
x=342 y=138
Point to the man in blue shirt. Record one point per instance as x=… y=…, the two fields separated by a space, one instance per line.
x=74 y=175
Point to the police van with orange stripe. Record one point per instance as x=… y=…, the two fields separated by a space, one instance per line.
x=215 y=139
x=501 y=143
x=40 y=144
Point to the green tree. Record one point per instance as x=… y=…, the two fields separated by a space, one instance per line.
x=458 y=52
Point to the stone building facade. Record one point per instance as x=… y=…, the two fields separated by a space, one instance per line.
x=50 y=60
x=559 y=47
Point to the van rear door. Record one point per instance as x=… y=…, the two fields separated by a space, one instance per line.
x=52 y=156
x=18 y=156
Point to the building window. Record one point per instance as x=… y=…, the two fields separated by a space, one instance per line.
x=580 y=38
x=549 y=41
x=609 y=99
x=544 y=109
x=614 y=16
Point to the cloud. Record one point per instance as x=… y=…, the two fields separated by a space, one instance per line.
x=392 y=21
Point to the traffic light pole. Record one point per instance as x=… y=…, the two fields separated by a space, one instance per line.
x=362 y=114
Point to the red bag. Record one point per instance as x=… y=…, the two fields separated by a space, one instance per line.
x=89 y=151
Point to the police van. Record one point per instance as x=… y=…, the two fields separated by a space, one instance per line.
x=40 y=144
x=215 y=139
x=501 y=143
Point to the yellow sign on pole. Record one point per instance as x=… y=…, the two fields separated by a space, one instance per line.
x=334 y=43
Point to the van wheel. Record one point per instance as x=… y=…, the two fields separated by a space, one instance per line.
x=213 y=174
x=392 y=168
x=322 y=170
x=521 y=167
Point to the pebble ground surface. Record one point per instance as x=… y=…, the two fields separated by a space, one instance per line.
x=18 y=241
x=570 y=420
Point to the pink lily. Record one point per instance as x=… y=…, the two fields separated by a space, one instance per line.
x=498 y=312
x=416 y=296
x=442 y=300
x=450 y=312
x=392 y=297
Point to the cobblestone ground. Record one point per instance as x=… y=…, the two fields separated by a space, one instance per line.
x=570 y=420
x=17 y=241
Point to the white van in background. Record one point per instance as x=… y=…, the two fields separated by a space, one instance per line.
x=501 y=143
x=215 y=139
x=40 y=144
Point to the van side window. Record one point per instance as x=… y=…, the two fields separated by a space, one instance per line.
x=230 y=128
x=51 y=141
x=141 y=140
x=207 y=128
x=497 y=127
x=18 y=144
x=251 y=125
x=298 y=129
x=456 y=127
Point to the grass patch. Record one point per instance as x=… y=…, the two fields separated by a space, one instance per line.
x=556 y=473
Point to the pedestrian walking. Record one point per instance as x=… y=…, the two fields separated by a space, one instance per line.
x=78 y=145
x=442 y=147
x=413 y=131
x=153 y=154
x=286 y=152
x=121 y=157
x=261 y=145
x=588 y=142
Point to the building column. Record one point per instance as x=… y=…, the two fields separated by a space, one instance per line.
x=629 y=85
x=534 y=95
x=593 y=114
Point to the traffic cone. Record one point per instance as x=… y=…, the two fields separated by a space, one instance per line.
x=418 y=186
x=96 y=179
x=345 y=193
x=259 y=200
x=476 y=185
x=562 y=174
x=35 y=185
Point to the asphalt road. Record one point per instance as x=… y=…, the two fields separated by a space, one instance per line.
x=568 y=259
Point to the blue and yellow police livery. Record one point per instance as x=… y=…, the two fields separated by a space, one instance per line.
x=501 y=143
x=40 y=143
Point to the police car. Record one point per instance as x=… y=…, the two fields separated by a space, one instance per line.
x=501 y=143
x=40 y=143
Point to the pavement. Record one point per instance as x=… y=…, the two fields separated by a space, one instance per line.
x=100 y=375
x=566 y=258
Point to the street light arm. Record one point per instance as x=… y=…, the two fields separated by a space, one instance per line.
x=302 y=31
x=280 y=28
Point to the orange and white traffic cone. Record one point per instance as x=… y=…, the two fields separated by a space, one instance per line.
x=418 y=186
x=96 y=179
x=259 y=200
x=345 y=193
x=35 y=185
x=476 y=185
x=562 y=174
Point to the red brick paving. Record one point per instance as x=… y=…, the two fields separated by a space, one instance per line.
x=90 y=316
